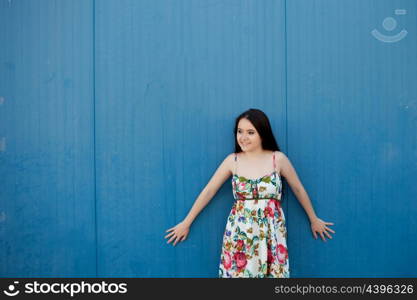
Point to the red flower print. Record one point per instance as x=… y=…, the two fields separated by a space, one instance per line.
x=268 y=211
x=282 y=253
x=271 y=204
x=240 y=195
x=270 y=256
x=240 y=259
x=227 y=261
x=275 y=205
x=239 y=245
x=233 y=210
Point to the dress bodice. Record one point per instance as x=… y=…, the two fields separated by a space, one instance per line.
x=266 y=187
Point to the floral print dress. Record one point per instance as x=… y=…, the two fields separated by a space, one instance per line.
x=254 y=241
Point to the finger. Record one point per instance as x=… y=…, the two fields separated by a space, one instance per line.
x=315 y=235
x=327 y=228
x=322 y=236
x=170 y=229
x=173 y=237
x=169 y=234
x=328 y=223
x=176 y=240
x=328 y=235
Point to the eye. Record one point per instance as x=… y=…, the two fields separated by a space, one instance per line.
x=251 y=132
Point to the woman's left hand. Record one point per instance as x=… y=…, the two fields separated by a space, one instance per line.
x=319 y=226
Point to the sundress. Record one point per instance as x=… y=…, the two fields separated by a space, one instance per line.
x=255 y=239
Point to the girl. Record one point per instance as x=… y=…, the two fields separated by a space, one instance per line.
x=255 y=238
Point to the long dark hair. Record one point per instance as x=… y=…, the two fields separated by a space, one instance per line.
x=261 y=122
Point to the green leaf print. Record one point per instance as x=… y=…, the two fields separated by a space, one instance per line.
x=249 y=241
x=241 y=179
x=263 y=268
x=266 y=179
x=243 y=235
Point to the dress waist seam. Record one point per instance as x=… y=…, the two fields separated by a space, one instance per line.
x=257 y=199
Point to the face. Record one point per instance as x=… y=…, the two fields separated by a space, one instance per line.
x=247 y=136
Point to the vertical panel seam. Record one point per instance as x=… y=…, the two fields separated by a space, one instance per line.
x=286 y=86
x=94 y=137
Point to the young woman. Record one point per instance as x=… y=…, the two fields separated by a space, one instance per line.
x=255 y=238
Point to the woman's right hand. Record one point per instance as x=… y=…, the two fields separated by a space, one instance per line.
x=178 y=233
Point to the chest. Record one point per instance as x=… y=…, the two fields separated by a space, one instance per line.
x=265 y=187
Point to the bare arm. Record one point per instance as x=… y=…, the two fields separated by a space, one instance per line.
x=222 y=173
x=180 y=232
x=288 y=171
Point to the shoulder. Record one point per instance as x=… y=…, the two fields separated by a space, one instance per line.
x=230 y=158
x=280 y=155
x=282 y=161
x=229 y=161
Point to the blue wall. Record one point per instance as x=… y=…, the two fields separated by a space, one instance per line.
x=115 y=114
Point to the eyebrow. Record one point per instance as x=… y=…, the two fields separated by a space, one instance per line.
x=248 y=129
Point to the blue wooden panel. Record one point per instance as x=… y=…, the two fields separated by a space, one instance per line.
x=46 y=133
x=171 y=77
x=124 y=109
x=352 y=136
